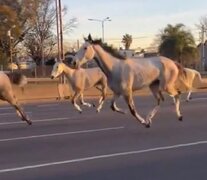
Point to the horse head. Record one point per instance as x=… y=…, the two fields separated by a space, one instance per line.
x=85 y=53
x=57 y=70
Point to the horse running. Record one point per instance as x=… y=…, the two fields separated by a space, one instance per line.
x=80 y=80
x=126 y=76
x=7 y=94
x=193 y=80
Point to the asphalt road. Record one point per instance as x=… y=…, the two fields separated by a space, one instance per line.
x=63 y=144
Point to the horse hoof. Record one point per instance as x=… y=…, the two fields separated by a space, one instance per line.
x=29 y=122
x=147 y=125
x=180 y=118
x=123 y=112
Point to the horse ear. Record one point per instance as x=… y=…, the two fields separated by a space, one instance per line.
x=90 y=38
x=85 y=39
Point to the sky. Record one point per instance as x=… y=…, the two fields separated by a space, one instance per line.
x=143 y=19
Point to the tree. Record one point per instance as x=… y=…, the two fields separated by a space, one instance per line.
x=127 y=41
x=35 y=24
x=14 y=16
x=202 y=23
x=177 y=43
x=40 y=40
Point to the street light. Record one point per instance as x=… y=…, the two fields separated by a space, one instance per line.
x=9 y=34
x=102 y=24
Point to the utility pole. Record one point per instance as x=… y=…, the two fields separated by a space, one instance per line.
x=61 y=84
x=203 y=61
x=61 y=31
x=9 y=34
x=58 y=29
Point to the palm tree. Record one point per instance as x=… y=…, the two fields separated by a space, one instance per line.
x=127 y=41
x=177 y=43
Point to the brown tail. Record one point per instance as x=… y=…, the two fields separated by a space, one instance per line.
x=17 y=78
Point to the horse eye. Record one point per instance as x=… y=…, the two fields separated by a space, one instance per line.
x=85 y=48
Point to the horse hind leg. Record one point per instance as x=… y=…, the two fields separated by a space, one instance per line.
x=154 y=87
x=74 y=98
x=189 y=96
x=161 y=95
x=100 y=104
x=177 y=107
x=176 y=97
x=130 y=102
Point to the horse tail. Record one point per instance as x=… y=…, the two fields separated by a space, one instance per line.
x=17 y=78
x=201 y=82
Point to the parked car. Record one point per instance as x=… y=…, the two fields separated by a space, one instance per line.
x=26 y=63
x=12 y=66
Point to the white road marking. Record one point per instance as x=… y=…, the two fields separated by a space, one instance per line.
x=2 y=108
x=38 y=120
x=104 y=156
x=42 y=120
x=47 y=105
x=12 y=113
x=197 y=99
x=61 y=134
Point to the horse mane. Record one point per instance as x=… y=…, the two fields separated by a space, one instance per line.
x=181 y=69
x=110 y=49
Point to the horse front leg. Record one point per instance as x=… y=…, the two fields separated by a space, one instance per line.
x=19 y=110
x=189 y=96
x=114 y=107
x=74 y=98
x=22 y=114
x=130 y=102
x=11 y=99
x=103 y=97
x=83 y=102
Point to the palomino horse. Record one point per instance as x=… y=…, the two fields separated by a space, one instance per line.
x=193 y=80
x=6 y=92
x=126 y=76
x=80 y=80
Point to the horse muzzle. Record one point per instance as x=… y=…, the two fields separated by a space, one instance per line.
x=74 y=64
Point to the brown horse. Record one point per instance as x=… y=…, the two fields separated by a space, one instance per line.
x=7 y=94
x=191 y=80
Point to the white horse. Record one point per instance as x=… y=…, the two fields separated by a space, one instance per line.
x=80 y=80
x=126 y=76
x=7 y=94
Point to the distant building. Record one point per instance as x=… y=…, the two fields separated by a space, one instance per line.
x=127 y=53
x=151 y=54
x=132 y=53
x=203 y=55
